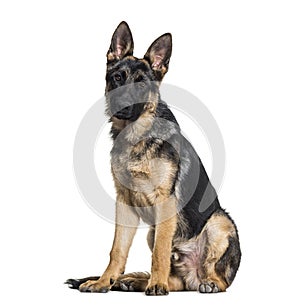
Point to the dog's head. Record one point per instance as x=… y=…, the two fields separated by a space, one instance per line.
x=132 y=84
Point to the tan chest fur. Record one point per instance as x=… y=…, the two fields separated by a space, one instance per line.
x=145 y=175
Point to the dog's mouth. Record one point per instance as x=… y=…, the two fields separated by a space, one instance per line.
x=125 y=113
x=131 y=112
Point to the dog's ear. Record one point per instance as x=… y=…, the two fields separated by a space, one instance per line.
x=159 y=54
x=121 y=43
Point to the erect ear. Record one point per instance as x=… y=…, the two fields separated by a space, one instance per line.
x=121 y=43
x=159 y=54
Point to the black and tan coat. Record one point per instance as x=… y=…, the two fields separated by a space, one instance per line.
x=160 y=179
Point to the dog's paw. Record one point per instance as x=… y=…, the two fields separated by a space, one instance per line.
x=75 y=283
x=124 y=285
x=94 y=286
x=209 y=287
x=130 y=284
x=157 y=289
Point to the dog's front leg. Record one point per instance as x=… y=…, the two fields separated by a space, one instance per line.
x=166 y=220
x=126 y=225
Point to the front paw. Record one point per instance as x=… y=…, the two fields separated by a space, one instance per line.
x=157 y=289
x=97 y=286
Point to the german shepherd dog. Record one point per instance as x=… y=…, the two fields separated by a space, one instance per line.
x=160 y=179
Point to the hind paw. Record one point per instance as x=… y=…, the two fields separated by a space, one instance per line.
x=130 y=284
x=209 y=287
x=124 y=285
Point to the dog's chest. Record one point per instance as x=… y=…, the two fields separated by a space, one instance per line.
x=143 y=169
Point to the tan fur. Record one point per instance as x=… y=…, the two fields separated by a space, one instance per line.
x=164 y=233
x=218 y=229
x=139 y=127
x=175 y=284
x=195 y=260
x=119 y=124
x=125 y=229
x=151 y=181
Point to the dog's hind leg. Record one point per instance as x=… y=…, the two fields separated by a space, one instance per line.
x=220 y=256
x=208 y=262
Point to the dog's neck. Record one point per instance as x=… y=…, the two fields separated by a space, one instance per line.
x=135 y=130
x=119 y=124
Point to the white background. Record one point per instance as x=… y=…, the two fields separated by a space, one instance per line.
x=240 y=58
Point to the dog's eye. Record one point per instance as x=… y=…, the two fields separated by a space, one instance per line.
x=139 y=79
x=118 y=77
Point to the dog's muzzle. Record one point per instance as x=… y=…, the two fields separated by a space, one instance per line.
x=125 y=113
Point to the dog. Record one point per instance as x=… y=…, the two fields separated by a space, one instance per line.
x=160 y=179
